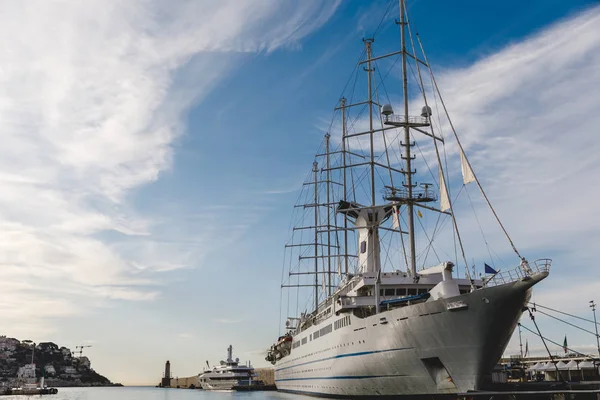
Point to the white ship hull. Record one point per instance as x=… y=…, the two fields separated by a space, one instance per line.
x=224 y=385
x=419 y=349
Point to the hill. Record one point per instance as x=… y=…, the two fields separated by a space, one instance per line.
x=57 y=364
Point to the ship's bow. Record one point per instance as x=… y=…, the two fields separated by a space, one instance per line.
x=482 y=332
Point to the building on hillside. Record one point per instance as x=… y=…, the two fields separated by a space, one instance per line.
x=50 y=370
x=69 y=370
x=47 y=347
x=27 y=371
x=8 y=344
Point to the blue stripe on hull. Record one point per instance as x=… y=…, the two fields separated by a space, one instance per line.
x=438 y=396
x=362 y=353
x=339 y=377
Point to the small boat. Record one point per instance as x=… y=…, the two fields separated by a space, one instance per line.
x=228 y=375
x=281 y=348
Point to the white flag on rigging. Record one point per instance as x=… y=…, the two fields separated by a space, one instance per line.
x=444 y=199
x=395 y=218
x=324 y=287
x=467 y=172
x=339 y=266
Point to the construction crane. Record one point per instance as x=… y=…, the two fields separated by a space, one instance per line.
x=81 y=349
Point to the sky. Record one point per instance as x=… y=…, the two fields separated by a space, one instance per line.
x=154 y=150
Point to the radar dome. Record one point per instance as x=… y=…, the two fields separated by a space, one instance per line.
x=426 y=111
x=386 y=109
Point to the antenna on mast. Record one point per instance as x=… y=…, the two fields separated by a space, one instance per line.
x=369 y=69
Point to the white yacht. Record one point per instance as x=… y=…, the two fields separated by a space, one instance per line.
x=227 y=375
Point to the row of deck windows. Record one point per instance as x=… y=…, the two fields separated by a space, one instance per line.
x=340 y=323
x=402 y=291
x=322 y=332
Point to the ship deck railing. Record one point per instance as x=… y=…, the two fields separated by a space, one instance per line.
x=401 y=120
x=523 y=271
x=416 y=195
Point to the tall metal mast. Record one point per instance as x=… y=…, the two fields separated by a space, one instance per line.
x=593 y=307
x=343 y=106
x=315 y=172
x=407 y=145
x=368 y=43
x=328 y=186
x=520 y=341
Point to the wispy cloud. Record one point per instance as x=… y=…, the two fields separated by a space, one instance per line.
x=186 y=335
x=231 y=320
x=90 y=109
x=526 y=116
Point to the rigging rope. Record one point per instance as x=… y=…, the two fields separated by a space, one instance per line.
x=479 y=225
x=437 y=152
x=568 y=323
x=387 y=156
x=400 y=219
x=536 y=305
x=544 y=342
x=553 y=342
x=462 y=150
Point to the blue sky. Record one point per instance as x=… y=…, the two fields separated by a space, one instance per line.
x=153 y=152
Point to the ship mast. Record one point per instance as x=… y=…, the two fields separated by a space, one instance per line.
x=407 y=145
x=345 y=178
x=368 y=43
x=316 y=244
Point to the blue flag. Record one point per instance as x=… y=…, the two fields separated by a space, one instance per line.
x=489 y=270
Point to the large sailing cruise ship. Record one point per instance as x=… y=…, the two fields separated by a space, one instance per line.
x=375 y=304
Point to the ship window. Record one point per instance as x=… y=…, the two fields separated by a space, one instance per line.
x=412 y=292
x=363 y=246
x=304 y=340
x=389 y=292
x=422 y=291
x=401 y=292
x=381 y=292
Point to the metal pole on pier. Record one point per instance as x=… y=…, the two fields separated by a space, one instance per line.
x=593 y=307
x=520 y=341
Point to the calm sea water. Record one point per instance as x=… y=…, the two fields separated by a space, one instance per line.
x=151 y=393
